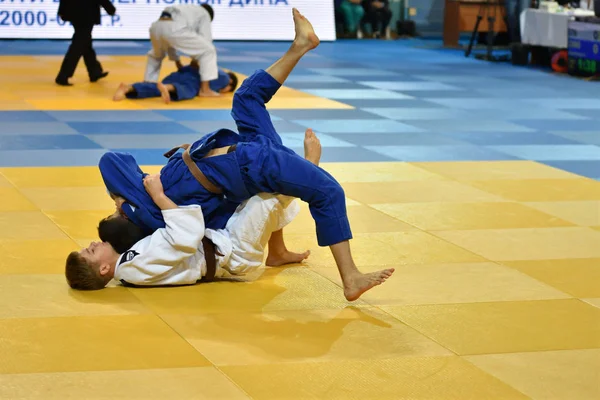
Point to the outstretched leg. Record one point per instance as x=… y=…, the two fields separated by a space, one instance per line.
x=304 y=41
x=355 y=282
x=248 y=110
x=291 y=175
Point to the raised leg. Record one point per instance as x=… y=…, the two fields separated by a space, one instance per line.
x=248 y=110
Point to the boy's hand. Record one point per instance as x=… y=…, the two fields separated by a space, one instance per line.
x=154 y=186
x=155 y=189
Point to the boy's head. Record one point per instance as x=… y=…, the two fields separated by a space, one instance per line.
x=92 y=267
x=210 y=10
x=119 y=232
x=232 y=85
x=233 y=82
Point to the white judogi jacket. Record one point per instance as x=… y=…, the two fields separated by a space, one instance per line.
x=188 y=32
x=193 y=17
x=174 y=255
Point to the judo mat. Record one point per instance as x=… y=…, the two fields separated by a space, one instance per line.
x=478 y=182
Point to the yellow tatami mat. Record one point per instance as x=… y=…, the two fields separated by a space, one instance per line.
x=495 y=296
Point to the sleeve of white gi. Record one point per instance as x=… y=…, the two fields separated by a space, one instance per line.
x=167 y=248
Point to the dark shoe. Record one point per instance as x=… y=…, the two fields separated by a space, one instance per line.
x=98 y=77
x=62 y=82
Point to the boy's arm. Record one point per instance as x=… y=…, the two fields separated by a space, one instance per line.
x=154 y=187
x=152 y=260
x=157 y=259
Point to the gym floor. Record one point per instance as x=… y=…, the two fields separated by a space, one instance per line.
x=478 y=182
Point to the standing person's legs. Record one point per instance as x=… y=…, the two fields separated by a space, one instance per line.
x=347 y=10
x=92 y=64
x=190 y=43
x=157 y=53
x=358 y=12
x=74 y=53
x=385 y=16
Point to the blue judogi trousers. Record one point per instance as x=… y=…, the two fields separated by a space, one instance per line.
x=186 y=82
x=268 y=166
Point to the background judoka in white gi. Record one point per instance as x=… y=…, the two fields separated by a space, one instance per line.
x=188 y=31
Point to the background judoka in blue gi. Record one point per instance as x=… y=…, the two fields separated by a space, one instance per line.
x=183 y=84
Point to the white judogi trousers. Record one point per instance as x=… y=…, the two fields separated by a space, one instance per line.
x=250 y=228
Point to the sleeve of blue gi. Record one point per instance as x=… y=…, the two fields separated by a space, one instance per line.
x=123 y=177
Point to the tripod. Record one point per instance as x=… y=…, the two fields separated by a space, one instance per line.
x=488 y=8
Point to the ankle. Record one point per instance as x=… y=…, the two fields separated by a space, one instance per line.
x=277 y=250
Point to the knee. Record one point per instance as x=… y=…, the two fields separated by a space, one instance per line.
x=336 y=193
x=238 y=97
x=242 y=95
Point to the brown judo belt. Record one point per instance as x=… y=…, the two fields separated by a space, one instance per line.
x=211 y=260
x=195 y=171
x=207 y=244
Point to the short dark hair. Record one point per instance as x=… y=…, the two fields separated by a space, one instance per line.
x=210 y=10
x=234 y=81
x=82 y=275
x=120 y=233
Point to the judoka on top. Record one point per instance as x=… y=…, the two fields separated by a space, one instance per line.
x=187 y=31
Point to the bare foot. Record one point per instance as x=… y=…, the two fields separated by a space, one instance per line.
x=164 y=93
x=356 y=285
x=286 y=257
x=121 y=92
x=306 y=37
x=208 y=93
x=312 y=147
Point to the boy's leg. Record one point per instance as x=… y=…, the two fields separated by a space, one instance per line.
x=251 y=227
x=156 y=54
x=185 y=85
x=140 y=90
x=249 y=111
x=277 y=171
x=278 y=252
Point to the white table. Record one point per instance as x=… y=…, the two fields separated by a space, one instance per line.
x=543 y=28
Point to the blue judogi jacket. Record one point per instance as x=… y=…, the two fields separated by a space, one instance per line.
x=123 y=177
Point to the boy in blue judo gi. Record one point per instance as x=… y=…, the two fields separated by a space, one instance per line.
x=224 y=168
x=183 y=84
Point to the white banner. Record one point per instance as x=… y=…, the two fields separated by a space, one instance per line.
x=234 y=19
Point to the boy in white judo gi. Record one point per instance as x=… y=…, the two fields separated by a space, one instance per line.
x=177 y=255
x=184 y=29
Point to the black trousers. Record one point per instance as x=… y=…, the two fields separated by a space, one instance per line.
x=379 y=18
x=81 y=45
